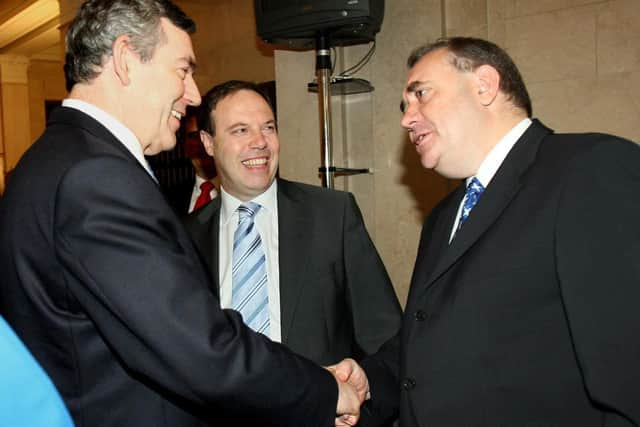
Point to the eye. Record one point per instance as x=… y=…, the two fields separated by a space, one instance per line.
x=239 y=131
x=182 y=72
x=270 y=128
x=421 y=93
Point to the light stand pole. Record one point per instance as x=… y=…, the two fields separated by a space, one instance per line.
x=323 y=77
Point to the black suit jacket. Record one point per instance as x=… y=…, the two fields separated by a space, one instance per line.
x=105 y=287
x=336 y=299
x=530 y=316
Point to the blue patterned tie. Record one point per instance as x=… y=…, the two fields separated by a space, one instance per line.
x=474 y=191
x=249 y=293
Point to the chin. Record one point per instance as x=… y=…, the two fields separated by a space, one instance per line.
x=167 y=144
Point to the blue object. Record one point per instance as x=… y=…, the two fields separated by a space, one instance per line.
x=27 y=395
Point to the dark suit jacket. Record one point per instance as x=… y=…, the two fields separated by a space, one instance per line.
x=105 y=287
x=530 y=316
x=336 y=299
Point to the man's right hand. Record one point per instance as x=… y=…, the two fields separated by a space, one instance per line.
x=351 y=379
x=349 y=402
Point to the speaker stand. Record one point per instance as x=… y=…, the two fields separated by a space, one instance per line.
x=323 y=77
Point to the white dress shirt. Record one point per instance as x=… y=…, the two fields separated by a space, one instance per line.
x=120 y=131
x=266 y=221
x=492 y=163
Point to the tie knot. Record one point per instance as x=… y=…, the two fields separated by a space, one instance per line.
x=475 y=187
x=247 y=210
x=206 y=187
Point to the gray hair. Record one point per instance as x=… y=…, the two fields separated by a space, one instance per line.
x=100 y=22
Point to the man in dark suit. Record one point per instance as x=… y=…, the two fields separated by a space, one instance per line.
x=99 y=277
x=522 y=309
x=204 y=185
x=329 y=295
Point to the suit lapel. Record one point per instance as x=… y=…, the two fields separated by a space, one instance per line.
x=205 y=226
x=504 y=186
x=435 y=238
x=293 y=223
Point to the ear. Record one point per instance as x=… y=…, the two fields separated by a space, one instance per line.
x=207 y=142
x=122 y=55
x=488 y=84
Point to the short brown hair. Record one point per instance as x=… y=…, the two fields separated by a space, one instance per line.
x=219 y=92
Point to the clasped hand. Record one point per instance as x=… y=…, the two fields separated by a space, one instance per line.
x=353 y=389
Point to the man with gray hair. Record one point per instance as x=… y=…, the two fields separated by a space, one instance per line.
x=101 y=281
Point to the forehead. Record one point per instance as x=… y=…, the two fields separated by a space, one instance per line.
x=434 y=66
x=177 y=42
x=243 y=105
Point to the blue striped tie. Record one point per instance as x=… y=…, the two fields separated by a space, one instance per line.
x=249 y=293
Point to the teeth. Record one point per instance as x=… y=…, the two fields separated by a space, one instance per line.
x=176 y=114
x=255 y=162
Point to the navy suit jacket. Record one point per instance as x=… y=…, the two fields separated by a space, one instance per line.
x=106 y=289
x=336 y=299
x=530 y=316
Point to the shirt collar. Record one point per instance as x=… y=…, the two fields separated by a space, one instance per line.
x=199 y=180
x=267 y=201
x=498 y=153
x=120 y=131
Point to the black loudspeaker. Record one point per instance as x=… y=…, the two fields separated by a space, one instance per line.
x=297 y=23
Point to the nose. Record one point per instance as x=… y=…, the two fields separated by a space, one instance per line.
x=408 y=116
x=258 y=141
x=191 y=92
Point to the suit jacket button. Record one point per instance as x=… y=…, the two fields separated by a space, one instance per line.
x=420 y=315
x=408 y=384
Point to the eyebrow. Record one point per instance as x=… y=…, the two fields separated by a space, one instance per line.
x=235 y=125
x=413 y=86
x=191 y=62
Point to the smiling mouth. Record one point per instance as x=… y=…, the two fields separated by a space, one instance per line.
x=255 y=162
x=176 y=114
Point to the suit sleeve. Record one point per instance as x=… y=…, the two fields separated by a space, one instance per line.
x=375 y=307
x=598 y=262
x=383 y=372
x=134 y=270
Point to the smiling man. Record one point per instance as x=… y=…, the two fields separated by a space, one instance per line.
x=324 y=292
x=100 y=279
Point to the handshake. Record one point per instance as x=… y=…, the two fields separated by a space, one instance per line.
x=353 y=390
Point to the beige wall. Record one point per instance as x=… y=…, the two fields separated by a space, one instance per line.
x=225 y=42
x=580 y=59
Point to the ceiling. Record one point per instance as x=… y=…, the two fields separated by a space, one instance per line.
x=30 y=28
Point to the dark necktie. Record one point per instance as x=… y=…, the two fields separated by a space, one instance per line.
x=205 y=195
x=249 y=294
x=474 y=191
